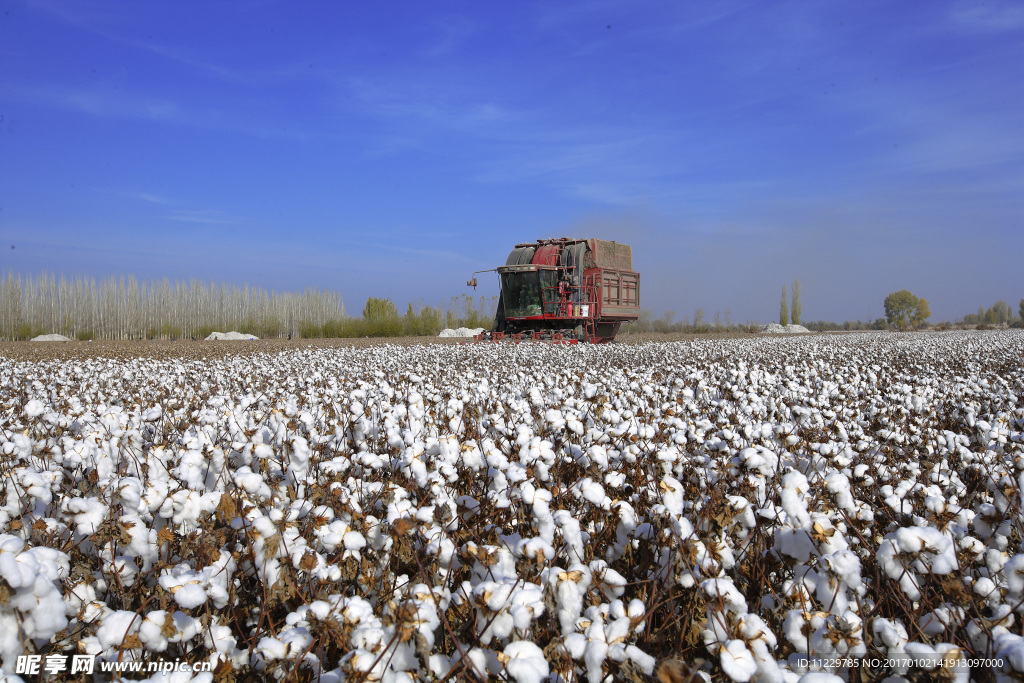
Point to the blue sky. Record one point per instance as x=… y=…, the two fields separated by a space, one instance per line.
x=390 y=149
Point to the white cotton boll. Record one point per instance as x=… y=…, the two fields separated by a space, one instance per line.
x=525 y=662
x=78 y=597
x=527 y=605
x=641 y=659
x=924 y=656
x=794 y=543
x=535 y=549
x=722 y=591
x=570 y=589
x=1013 y=574
x=606 y=580
x=190 y=595
x=298 y=459
x=594 y=493
x=296 y=641
x=595 y=654
x=354 y=541
x=891 y=633
x=737 y=661
x=599 y=456
x=116 y=627
x=932 y=624
x=572 y=535
x=34 y=408
x=152 y=414
x=799 y=626
x=985 y=588
x=1010 y=648
x=794 y=499
x=995 y=560
x=88 y=513
x=151 y=631
x=554 y=419
x=575 y=644
x=439 y=665
x=331 y=535
x=471 y=456
x=484 y=661
x=672 y=495
x=271 y=648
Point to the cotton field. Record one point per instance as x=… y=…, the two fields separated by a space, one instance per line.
x=816 y=508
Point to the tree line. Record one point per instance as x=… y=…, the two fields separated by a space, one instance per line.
x=381 y=319
x=127 y=308
x=998 y=313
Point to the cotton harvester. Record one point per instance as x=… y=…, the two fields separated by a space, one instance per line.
x=565 y=290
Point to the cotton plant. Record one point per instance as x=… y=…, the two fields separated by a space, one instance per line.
x=909 y=554
x=31 y=604
x=743 y=642
x=523 y=511
x=603 y=633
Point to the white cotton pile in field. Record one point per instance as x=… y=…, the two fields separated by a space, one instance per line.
x=524 y=512
x=461 y=332
x=231 y=336
x=775 y=328
x=50 y=338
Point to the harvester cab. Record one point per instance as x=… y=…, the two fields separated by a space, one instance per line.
x=565 y=290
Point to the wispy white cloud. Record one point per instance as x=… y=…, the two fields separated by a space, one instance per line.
x=204 y=216
x=103 y=101
x=448 y=34
x=136 y=194
x=103 y=20
x=987 y=17
x=183 y=215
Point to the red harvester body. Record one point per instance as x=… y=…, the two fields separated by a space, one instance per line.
x=566 y=290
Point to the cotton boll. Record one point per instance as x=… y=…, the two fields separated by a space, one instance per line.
x=151 y=631
x=737 y=661
x=572 y=535
x=190 y=595
x=985 y=588
x=88 y=513
x=594 y=493
x=890 y=633
x=527 y=604
x=271 y=649
x=524 y=662
x=599 y=456
x=569 y=588
x=912 y=550
x=794 y=499
x=116 y=628
x=672 y=495
x=794 y=543
x=34 y=409
x=609 y=582
x=1013 y=573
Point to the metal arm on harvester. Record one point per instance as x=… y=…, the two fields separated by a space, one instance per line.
x=472 y=281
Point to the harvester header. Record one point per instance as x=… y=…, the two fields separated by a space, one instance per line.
x=566 y=290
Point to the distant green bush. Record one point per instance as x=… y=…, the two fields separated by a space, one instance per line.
x=27 y=331
x=204 y=331
x=170 y=332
